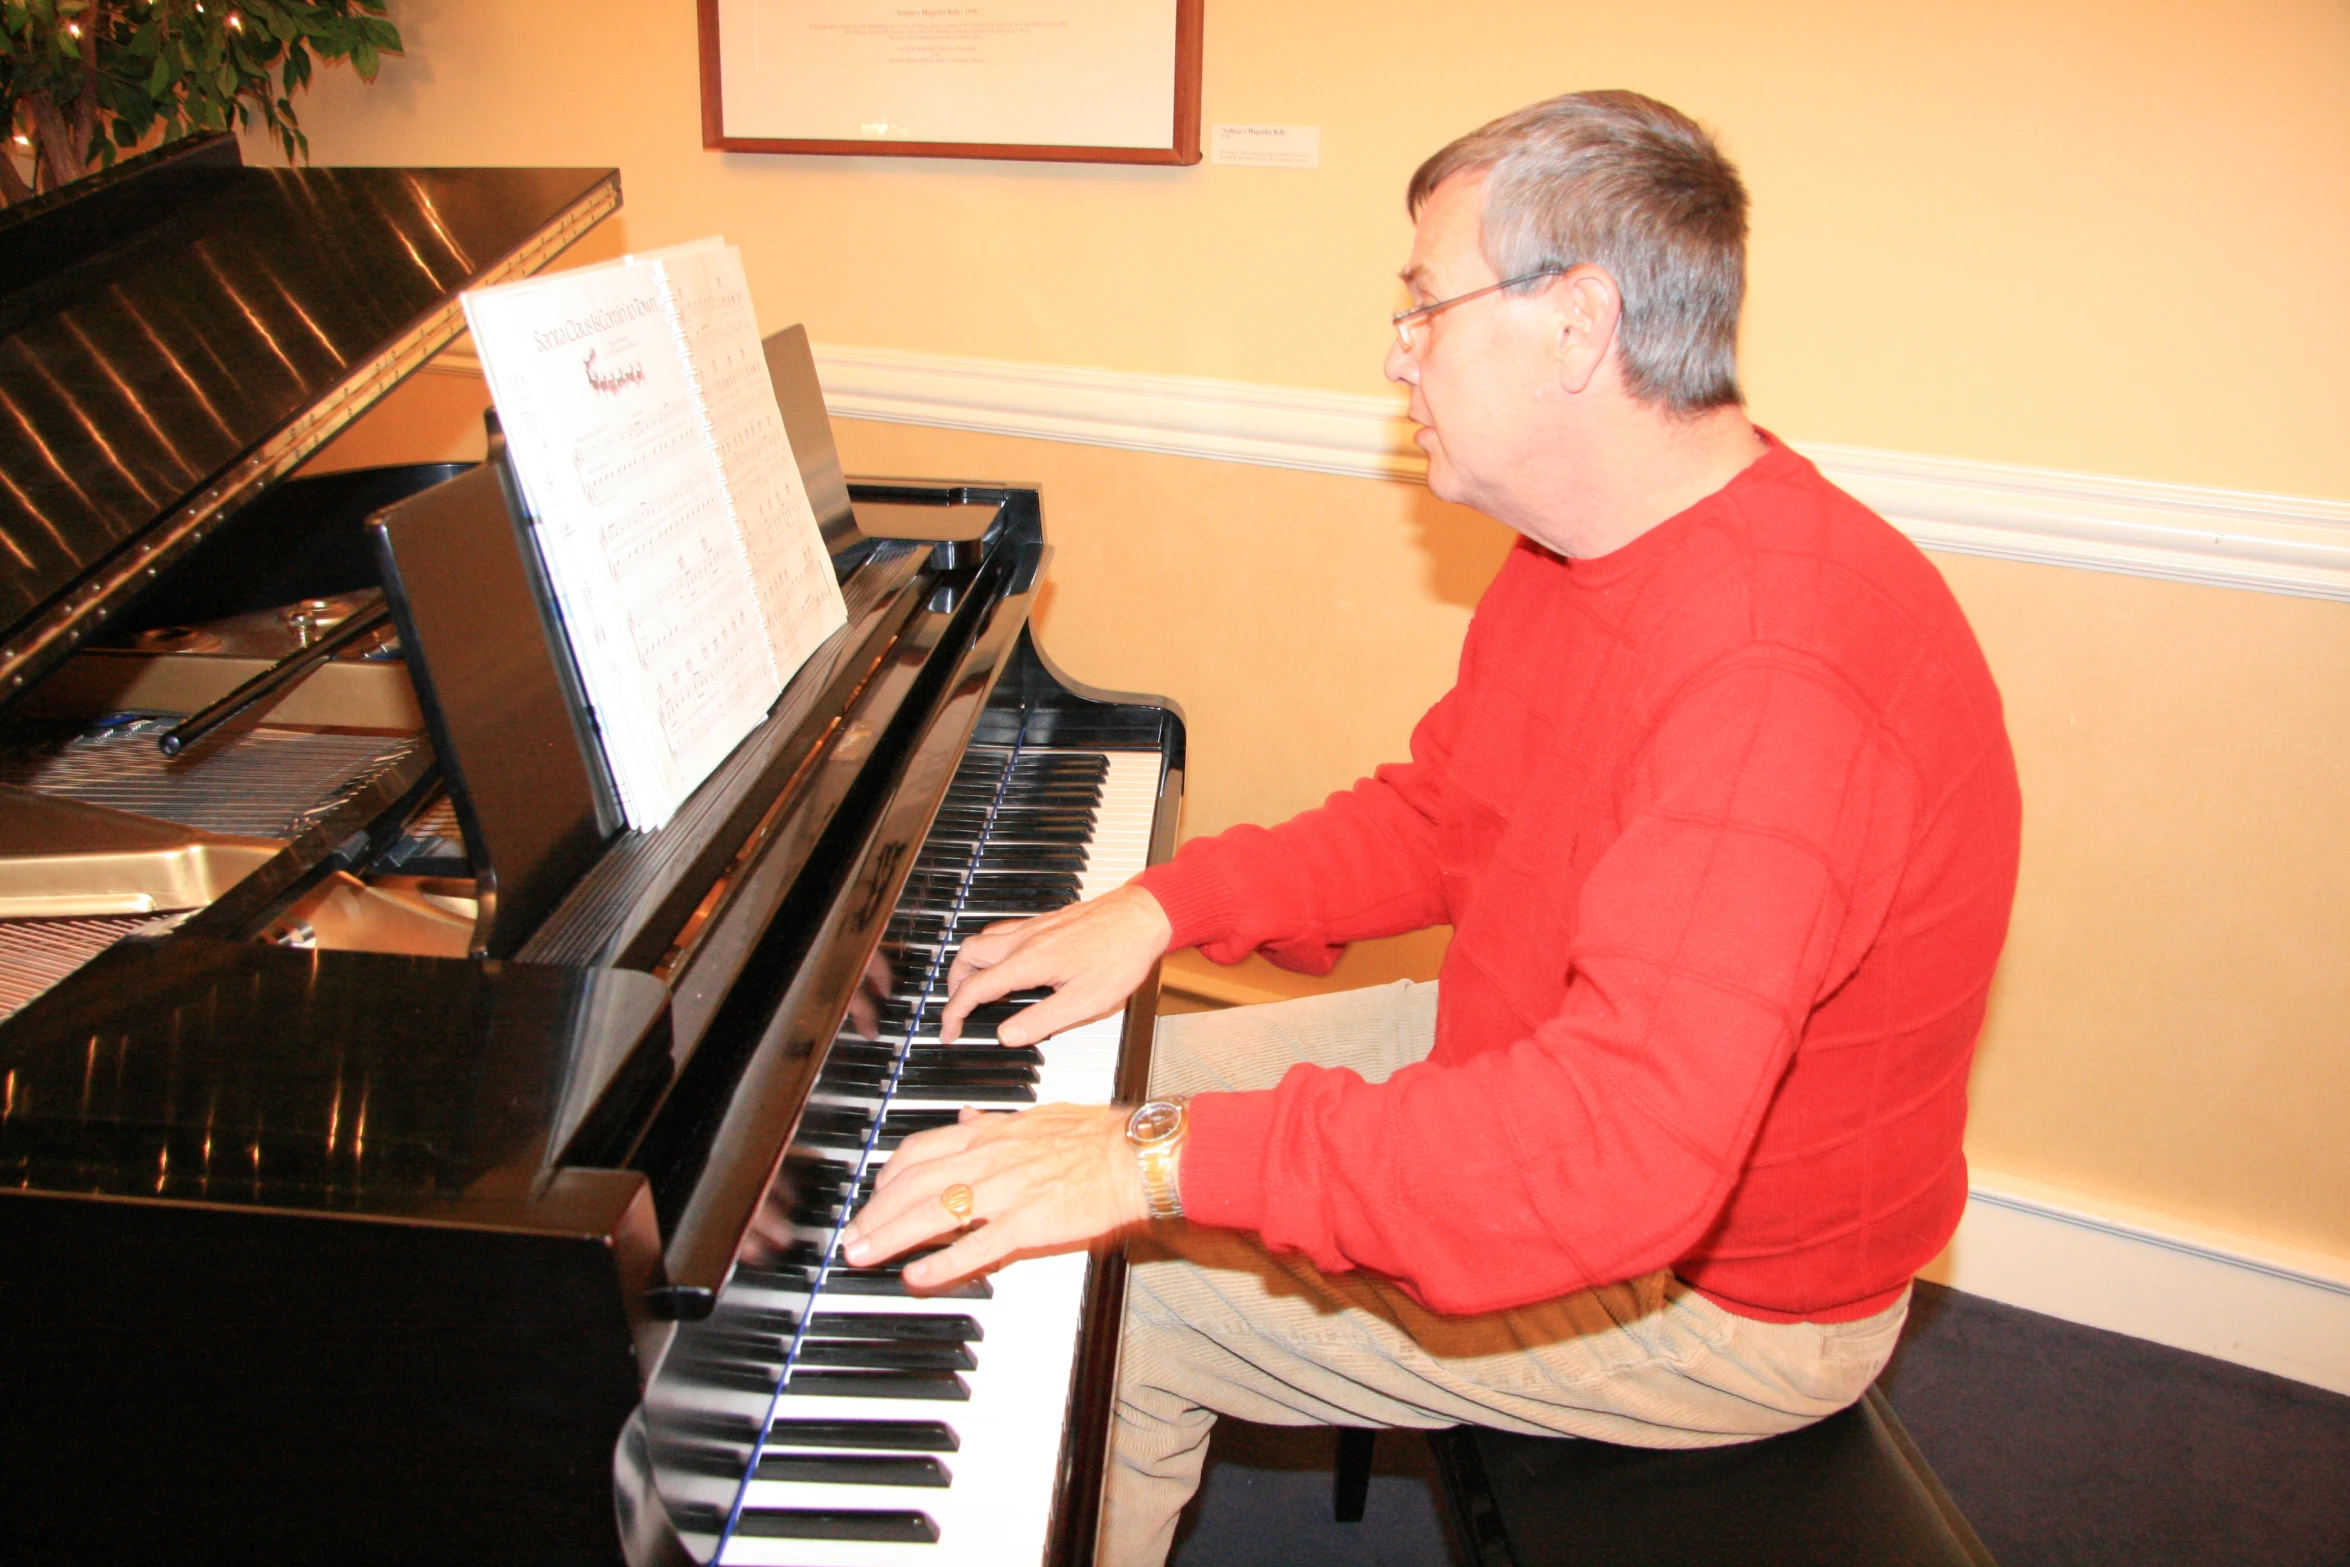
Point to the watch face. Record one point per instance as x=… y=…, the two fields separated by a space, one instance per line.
x=1154 y=1121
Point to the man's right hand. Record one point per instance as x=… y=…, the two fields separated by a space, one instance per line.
x=1093 y=955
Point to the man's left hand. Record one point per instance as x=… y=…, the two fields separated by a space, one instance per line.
x=1043 y=1180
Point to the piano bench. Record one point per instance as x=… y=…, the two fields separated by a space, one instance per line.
x=1850 y=1491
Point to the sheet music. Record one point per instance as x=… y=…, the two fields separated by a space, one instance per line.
x=789 y=568
x=610 y=446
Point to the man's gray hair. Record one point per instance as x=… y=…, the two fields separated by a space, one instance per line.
x=1635 y=187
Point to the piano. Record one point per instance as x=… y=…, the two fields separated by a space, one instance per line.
x=398 y=1162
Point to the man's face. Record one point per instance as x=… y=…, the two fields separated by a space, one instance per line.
x=1480 y=372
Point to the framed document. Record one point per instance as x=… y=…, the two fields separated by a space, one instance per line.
x=1073 y=81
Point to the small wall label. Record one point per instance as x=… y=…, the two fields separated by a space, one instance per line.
x=1268 y=146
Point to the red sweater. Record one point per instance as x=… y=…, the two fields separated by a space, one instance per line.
x=1725 y=823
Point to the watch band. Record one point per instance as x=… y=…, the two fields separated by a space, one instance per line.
x=1155 y=1131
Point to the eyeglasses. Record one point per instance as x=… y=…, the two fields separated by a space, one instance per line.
x=1407 y=322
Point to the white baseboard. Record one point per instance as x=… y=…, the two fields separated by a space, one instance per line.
x=2153 y=1276
x=2273 y=543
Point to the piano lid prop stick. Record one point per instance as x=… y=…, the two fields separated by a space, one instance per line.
x=277 y=678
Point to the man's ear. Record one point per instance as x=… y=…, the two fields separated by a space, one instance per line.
x=1588 y=308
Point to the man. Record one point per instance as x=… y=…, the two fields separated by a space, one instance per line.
x=1723 y=815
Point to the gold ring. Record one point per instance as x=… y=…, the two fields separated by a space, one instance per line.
x=957 y=1200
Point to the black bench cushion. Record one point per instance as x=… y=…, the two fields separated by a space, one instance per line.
x=1848 y=1492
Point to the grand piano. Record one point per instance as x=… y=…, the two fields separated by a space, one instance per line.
x=399 y=1162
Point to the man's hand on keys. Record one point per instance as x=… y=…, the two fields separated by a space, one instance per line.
x=1091 y=954
x=1047 y=1178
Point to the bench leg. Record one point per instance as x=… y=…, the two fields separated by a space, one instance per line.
x=1350 y=1483
x=1460 y=1475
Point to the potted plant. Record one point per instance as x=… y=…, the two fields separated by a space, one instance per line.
x=84 y=80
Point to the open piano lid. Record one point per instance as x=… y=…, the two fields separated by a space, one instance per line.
x=180 y=331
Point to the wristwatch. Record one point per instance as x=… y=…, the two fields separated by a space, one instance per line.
x=1155 y=1132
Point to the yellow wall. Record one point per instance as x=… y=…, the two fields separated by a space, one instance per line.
x=2106 y=237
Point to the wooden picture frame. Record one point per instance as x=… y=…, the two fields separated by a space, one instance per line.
x=848 y=64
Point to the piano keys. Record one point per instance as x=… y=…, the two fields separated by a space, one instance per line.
x=374 y=1248
x=844 y=1370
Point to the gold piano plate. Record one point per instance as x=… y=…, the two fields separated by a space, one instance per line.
x=62 y=859
x=345 y=914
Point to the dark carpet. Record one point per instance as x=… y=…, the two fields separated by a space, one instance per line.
x=2064 y=1446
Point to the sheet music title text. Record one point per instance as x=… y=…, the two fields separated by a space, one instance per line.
x=596 y=321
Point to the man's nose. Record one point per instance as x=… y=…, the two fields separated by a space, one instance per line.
x=1401 y=365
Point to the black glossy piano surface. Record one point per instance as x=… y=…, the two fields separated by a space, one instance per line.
x=323 y=1236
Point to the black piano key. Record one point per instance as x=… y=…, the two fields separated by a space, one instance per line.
x=924 y=888
x=1073 y=841
x=992 y=898
x=742 y=1344
x=989 y=1013
x=835 y=1123
x=1061 y=834
x=884 y=1355
x=985 y=1057
x=1019 y=899
x=979 y=1035
x=889 y=1281
x=843 y=1469
x=730 y=1376
x=830 y=1189
x=763 y=1319
x=810 y=1523
x=970 y=1093
x=951 y=1325
x=898 y=1125
x=959 y=844
x=998 y=855
x=1006 y=873
x=1052 y=764
x=1086 y=787
x=984 y=908
x=907 y=994
x=791 y=1271
x=1008 y=821
x=924 y=1072
x=927 y=1063
x=714 y=1463
x=941 y=1386
x=901 y=1436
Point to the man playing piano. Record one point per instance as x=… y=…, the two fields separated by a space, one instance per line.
x=1724 y=819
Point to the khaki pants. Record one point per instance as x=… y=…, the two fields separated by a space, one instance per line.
x=1216 y=1324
